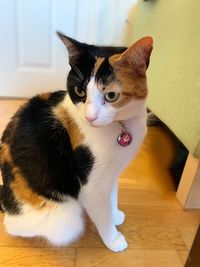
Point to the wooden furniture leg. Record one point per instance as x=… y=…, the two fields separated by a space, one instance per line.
x=193 y=257
x=188 y=191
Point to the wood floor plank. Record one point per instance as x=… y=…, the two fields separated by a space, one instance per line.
x=129 y=258
x=151 y=237
x=157 y=215
x=36 y=257
x=188 y=233
x=141 y=198
x=183 y=254
x=139 y=237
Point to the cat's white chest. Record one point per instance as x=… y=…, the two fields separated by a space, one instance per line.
x=108 y=154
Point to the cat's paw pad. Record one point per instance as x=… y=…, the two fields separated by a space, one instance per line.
x=119 y=244
x=119 y=217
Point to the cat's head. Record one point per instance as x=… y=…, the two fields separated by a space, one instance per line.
x=107 y=84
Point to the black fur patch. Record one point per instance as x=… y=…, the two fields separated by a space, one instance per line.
x=105 y=74
x=56 y=97
x=41 y=149
x=84 y=162
x=79 y=76
x=105 y=51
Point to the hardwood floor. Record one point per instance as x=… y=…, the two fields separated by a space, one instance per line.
x=158 y=230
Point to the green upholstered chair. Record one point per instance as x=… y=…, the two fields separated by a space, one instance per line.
x=174 y=78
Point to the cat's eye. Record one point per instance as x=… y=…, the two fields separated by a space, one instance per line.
x=111 y=96
x=80 y=92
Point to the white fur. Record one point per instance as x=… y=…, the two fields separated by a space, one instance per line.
x=59 y=223
x=62 y=223
x=94 y=101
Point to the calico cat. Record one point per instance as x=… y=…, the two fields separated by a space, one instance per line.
x=62 y=152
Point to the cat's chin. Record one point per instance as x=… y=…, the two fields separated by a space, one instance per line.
x=98 y=124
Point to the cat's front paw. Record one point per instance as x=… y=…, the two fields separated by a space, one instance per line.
x=119 y=217
x=119 y=244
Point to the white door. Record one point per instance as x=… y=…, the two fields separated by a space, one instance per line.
x=32 y=59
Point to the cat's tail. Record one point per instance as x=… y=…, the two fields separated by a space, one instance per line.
x=1 y=197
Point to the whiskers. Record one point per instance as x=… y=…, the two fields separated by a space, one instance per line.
x=78 y=72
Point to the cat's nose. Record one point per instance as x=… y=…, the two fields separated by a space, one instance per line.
x=91 y=118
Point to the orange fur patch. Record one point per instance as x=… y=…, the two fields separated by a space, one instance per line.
x=44 y=96
x=98 y=62
x=76 y=137
x=131 y=85
x=5 y=155
x=23 y=193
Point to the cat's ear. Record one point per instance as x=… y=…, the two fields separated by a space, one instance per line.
x=74 y=47
x=138 y=55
